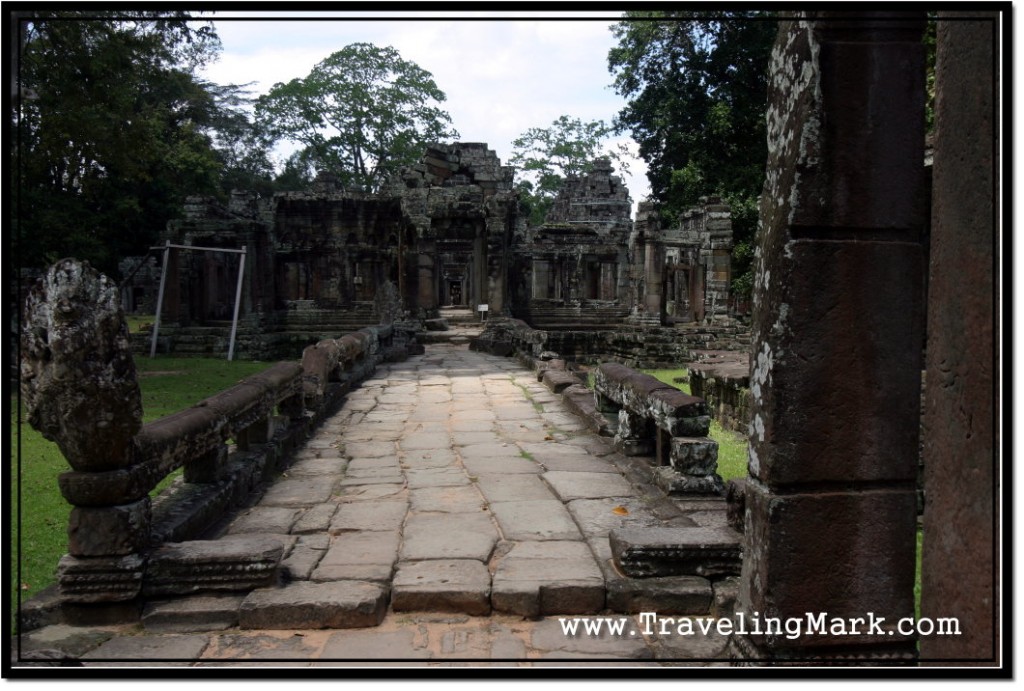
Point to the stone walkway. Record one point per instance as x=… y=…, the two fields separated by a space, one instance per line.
x=445 y=515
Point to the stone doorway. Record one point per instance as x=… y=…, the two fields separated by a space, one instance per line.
x=455 y=294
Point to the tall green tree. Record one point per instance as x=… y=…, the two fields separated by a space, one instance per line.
x=696 y=87
x=362 y=114
x=546 y=156
x=241 y=145
x=110 y=131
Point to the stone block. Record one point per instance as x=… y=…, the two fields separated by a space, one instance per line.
x=298 y=492
x=667 y=595
x=182 y=649
x=549 y=639
x=558 y=381
x=572 y=485
x=676 y=551
x=694 y=456
x=109 y=530
x=675 y=483
x=539 y=519
x=109 y=488
x=277 y=520
x=316 y=519
x=449 y=536
x=580 y=400
x=442 y=585
x=335 y=605
x=542 y=578
x=232 y=563
x=726 y=590
x=190 y=614
x=366 y=516
x=841 y=553
x=735 y=502
x=100 y=579
x=360 y=556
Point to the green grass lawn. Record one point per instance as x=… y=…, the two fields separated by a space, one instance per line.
x=168 y=385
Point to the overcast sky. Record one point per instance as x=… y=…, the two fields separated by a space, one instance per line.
x=503 y=72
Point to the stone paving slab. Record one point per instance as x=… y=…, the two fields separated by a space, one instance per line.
x=501 y=464
x=426 y=440
x=192 y=614
x=495 y=449
x=382 y=477
x=449 y=536
x=264 y=519
x=73 y=641
x=548 y=636
x=318 y=467
x=513 y=487
x=538 y=519
x=316 y=519
x=570 y=485
x=367 y=645
x=373 y=492
x=440 y=585
x=337 y=605
x=301 y=563
x=574 y=464
x=452 y=499
x=360 y=556
x=298 y=492
x=141 y=650
x=435 y=477
x=428 y=458
x=600 y=516
x=542 y=578
x=369 y=517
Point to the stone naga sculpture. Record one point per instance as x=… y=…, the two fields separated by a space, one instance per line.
x=78 y=378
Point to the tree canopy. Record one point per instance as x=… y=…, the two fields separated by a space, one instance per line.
x=362 y=114
x=697 y=90
x=546 y=156
x=112 y=131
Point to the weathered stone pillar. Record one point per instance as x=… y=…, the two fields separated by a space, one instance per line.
x=426 y=295
x=79 y=388
x=961 y=519
x=835 y=380
x=654 y=264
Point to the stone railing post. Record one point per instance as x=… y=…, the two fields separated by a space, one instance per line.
x=80 y=391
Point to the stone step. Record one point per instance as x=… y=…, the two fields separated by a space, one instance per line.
x=676 y=551
x=305 y=605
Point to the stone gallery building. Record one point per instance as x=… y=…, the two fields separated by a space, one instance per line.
x=448 y=232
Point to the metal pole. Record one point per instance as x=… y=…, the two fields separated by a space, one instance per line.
x=160 y=299
x=238 y=300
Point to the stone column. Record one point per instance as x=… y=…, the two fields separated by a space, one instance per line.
x=837 y=334
x=961 y=514
x=426 y=297
x=653 y=266
x=80 y=391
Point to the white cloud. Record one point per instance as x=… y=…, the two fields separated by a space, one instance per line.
x=501 y=76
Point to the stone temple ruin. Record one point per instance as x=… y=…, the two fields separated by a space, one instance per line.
x=448 y=232
x=824 y=523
